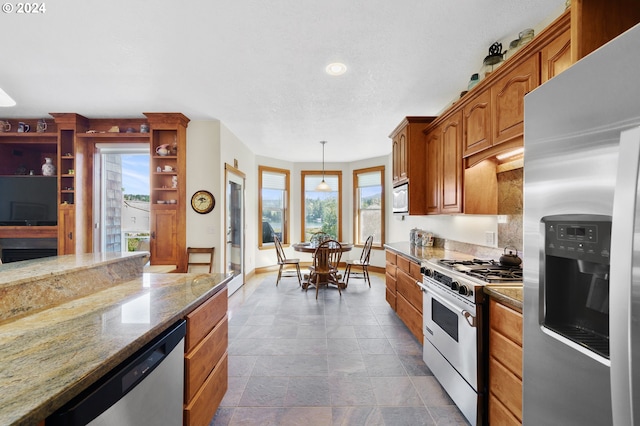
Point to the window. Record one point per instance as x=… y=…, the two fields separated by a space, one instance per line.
x=368 y=205
x=273 y=203
x=322 y=211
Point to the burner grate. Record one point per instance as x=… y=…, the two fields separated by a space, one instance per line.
x=497 y=274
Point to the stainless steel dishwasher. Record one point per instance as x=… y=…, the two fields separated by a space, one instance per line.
x=146 y=389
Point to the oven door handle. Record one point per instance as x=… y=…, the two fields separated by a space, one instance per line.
x=468 y=316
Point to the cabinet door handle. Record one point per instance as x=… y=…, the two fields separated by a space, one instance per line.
x=71 y=235
x=153 y=235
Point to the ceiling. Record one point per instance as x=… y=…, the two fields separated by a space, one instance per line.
x=258 y=66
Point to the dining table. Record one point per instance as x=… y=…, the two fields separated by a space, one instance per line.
x=309 y=247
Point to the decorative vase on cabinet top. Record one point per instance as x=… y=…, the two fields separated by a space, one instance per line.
x=48 y=168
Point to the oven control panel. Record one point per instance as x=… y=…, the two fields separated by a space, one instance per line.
x=454 y=285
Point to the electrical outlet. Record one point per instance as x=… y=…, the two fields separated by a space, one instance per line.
x=490 y=238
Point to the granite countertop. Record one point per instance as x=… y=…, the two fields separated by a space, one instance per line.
x=509 y=295
x=53 y=352
x=419 y=254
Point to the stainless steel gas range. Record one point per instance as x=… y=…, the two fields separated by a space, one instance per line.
x=455 y=327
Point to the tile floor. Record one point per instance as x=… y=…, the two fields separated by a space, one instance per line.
x=295 y=360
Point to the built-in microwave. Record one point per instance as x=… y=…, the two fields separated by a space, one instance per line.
x=401 y=199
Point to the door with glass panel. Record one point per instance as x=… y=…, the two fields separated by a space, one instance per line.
x=234 y=226
x=121 y=201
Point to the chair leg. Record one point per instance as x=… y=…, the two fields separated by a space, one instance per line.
x=317 y=287
x=347 y=272
x=300 y=275
x=279 y=275
x=365 y=271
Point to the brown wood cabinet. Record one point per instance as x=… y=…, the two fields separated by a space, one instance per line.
x=71 y=140
x=507 y=100
x=505 y=364
x=390 y=278
x=555 y=57
x=408 y=159
x=206 y=360
x=21 y=153
x=445 y=167
x=168 y=199
x=409 y=295
x=476 y=122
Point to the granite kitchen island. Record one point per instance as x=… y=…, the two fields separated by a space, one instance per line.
x=67 y=321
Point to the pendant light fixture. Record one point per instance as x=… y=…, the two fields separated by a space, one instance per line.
x=323 y=186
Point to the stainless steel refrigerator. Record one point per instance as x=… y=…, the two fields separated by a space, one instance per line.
x=581 y=362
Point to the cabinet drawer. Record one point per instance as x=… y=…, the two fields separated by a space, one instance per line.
x=391 y=270
x=390 y=283
x=403 y=264
x=406 y=285
x=203 y=406
x=410 y=316
x=199 y=362
x=391 y=298
x=204 y=318
x=506 y=321
x=506 y=352
x=391 y=257
x=414 y=271
x=506 y=387
x=499 y=415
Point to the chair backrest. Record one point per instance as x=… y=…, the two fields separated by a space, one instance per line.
x=327 y=256
x=200 y=251
x=366 y=251
x=279 y=250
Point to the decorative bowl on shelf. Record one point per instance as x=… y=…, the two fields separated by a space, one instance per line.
x=172 y=201
x=161 y=202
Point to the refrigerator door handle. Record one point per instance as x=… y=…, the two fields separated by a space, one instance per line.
x=624 y=312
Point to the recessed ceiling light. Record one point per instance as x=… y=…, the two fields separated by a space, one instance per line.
x=336 y=68
x=5 y=100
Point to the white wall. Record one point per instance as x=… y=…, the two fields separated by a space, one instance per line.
x=232 y=149
x=203 y=166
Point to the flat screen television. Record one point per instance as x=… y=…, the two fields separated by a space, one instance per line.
x=28 y=201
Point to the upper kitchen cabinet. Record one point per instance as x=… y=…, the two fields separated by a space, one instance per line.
x=444 y=166
x=408 y=148
x=476 y=116
x=596 y=22
x=408 y=160
x=507 y=100
x=555 y=57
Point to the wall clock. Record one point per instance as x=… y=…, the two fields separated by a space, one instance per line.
x=203 y=202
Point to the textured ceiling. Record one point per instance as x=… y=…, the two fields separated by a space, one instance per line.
x=258 y=66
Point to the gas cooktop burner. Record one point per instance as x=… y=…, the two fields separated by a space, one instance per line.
x=453 y=262
x=489 y=271
x=497 y=274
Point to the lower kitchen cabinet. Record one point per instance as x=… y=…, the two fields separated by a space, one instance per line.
x=206 y=365
x=403 y=293
x=505 y=365
x=409 y=295
x=390 y=278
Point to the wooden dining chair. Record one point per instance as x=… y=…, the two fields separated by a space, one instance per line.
x=324 y=270
x=362 y=263
x=285 y=263
x=200 y=251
